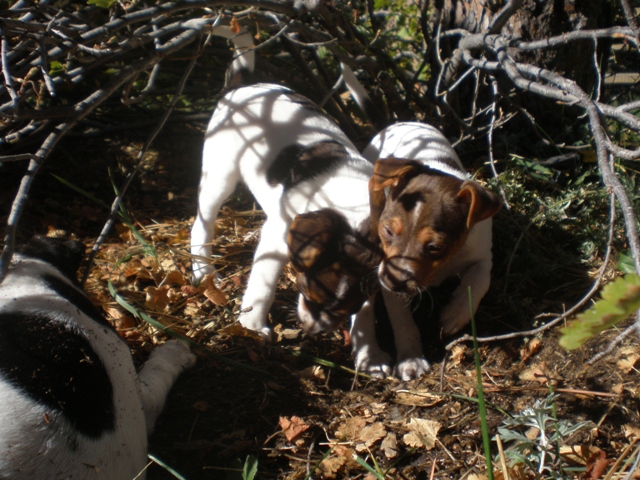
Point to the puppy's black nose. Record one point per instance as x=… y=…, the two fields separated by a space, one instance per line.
x=397 y=278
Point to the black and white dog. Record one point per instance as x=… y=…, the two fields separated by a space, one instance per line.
x=71 y=403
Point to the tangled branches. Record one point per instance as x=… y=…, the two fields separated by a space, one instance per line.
x=475 y=68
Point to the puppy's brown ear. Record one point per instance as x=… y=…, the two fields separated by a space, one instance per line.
x=483 y=203
x=309 y=236
x=386 y=173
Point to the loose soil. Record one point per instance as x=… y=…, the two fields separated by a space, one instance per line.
x=295 y=404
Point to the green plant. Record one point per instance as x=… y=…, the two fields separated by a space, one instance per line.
x=248 y=471
x=619 y=300
x=484 y=425
x=540 y=454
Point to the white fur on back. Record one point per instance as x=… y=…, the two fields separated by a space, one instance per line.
x=416 y=141
x=253 y=125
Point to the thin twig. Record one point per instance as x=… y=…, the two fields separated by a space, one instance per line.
x=592 y=291
x=123 y=190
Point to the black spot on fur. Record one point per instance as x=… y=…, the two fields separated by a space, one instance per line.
x=75 y=297
x=299 y=163
x=410 y=200
x=65 y=255
x=58 y=368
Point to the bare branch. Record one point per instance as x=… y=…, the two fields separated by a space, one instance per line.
x=503 y=16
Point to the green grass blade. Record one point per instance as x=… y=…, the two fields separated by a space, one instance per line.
x=166 y=467
x=250 y=468
x=79 y=190
x=315 y=467
x=327 y=363
x=121 y=213
x=369 y=468
x=486 y=440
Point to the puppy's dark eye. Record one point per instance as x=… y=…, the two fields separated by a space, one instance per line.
x=386 y=233
x=434 y=250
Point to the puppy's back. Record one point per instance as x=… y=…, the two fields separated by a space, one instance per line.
x=68 y=402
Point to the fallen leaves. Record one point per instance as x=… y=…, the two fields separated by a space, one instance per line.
x=157 y=298
x=628 y=358
x=417 y=398
x=214 y=294
x=292 y=427
x=370 y=435
x=422 y=433
x=389 y=445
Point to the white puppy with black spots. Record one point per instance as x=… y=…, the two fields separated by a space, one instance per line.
x=71 y=403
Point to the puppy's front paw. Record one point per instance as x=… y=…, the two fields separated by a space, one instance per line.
x=411 y=368
x=176 y=353
x=373 y=362
x=257 y=326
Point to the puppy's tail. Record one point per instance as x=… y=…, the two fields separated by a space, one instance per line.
x=362 y=98
x=242 y=68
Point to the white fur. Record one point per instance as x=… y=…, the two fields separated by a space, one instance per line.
x=248 y=129
x=35 y=440
x=472 y=263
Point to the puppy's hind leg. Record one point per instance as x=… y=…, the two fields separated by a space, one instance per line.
x=158 y=374
x=268 y=262
x=215 y=188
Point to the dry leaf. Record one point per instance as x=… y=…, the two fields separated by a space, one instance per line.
x=213 y=293
x=286 y=333
x=157 y=298
x=390 y=445
x=350 y=428
x=234 y=25
x=292 y=427
x=123 y=232
x=457 y=354
x=315 y=373
x=618 y=388
x=537 y=373
x=631 y=431
x=422 y=433
x=150 y=263
x=596 y=465
x=629 y=357
x=532 y=347
x=532 y=433
x=120 y=319
x=578 y=454
x=174 y=277
x=330 y=466
x=417 y=398
x=370 y=435
x=237 y=330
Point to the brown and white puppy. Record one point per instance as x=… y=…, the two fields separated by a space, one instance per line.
x=433 y=223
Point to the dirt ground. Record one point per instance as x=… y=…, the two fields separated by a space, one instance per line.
x=281 y=403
